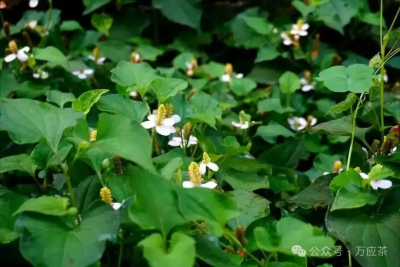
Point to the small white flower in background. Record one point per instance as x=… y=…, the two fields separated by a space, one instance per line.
x=300 y=28
x=375 y=184
x=337 y=167
x=177 y=141
x=392 y=151
x=385 y=78
x=239 y=76
x=32 y=24
x=226 y=78
x=306 y=86
x=163 y=125
x=286 y=39
x=133 y=94
x=41 y=74
x=206 y=163
x=83 y=74
x=15 y=53
x=99 y=60
x=370 y=160
x=33 y=3
x=210 y=184
x=297 y=123
x=241 y=125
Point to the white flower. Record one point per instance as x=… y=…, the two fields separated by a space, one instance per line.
x=306 y=86
x=286 y=39
x=206 y=163
x=164 y=128
x=239 y=76
x=392 y=151
x=21 y=55
x=99 y=61
x=210 y=184
x=297 y=123
x=32 y=24
x=82 y=74
x=375 y=184
x=227 y=78
x=240 y=125
x=177 y=141
x=300 y=29
x=133 y=94
x=33 y=3
x=116 y=205
x=41 y=74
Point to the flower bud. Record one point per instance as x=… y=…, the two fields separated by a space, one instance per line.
x=228 y=68
x=337 y=166
x=72 y=211
x=6 y=28
x=240 y=235
x=357 y=169
x=96 y=53
x=12 y=47
x=93 y=135
x=105 y=163
x=375 y=61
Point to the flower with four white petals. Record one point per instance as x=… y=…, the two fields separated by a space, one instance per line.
x=228 y=78
x=206 y=163
x=195 y=178
x=306 y=85
x=99 y=60
x=83 y=74
x=300 y=28
x=287 y=40
x=160 y=122
x=33 y=3
x=177 y=141
x=41 y=74
x=210 y=184
x=15 y=53
x=375 y=184
x=299 y=123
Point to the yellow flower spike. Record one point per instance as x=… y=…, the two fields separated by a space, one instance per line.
x=105 y=195
x=161 y=114
x=96 y=53
x=206 y=158
x=194 y=174
x=248 y=146
x=228 y=69
x=169 y=110
x=307 y=75
x=187 y=127
x=93 y=135
x=337 y=166
x=357 y=169
x=12 y=47
x=194 y=63
x=300 y=23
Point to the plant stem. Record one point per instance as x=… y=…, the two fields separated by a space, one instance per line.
x=348 y=252
x=233 y=238
x=50 y=14
x=145 y=102
x=353 y=130
x=121 y=249
x=382 y=96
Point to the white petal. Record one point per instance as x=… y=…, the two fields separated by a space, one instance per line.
x=305 y=26
x=32 y=24
x=302 y=122
x=239 y=75
x=152 y=117
x=294 y=31
x=10 y=57
x=365 y=150
x=22 y=56
x=82 y=75
x=213 y=166
x=189 y=65
x=76 y=72
x=91 y=58
x=303 y=81
x=116 y=205
x=163 y=130
x=172 y=130
x=374 y=185
x=287 y=42
x=33 y=3
x=187 y=184
x=325 y=173
x=284 y=36
x=291 y=121
x=202 y=168
x=101 y=60
x=148 y=124
x=384 y=184
x=226 y=78
x=303 y=33
x=364 y=175
x=236 y=124
x=307 y=87
x=175 y=142
x=301 y=127
x=88 y=71
x=210 y=185
x=168 y=122
x=44 y=75
x=36 y=75
x=192 y=140
x=137 y=57
x=385 y=78
x=245 y=125
x=25 y=49
x=313 y=121
x=176 y=118
x=133 y=93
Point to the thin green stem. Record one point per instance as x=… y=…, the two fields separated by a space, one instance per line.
x=237 y=242
x=121 y=249
x=394 y=20
x=288 y=100
x=382 y=96
x=50 y=14
x=269 y=258
x=145 y=102
x=381 y=23
x=349 y=253
x=353 y=130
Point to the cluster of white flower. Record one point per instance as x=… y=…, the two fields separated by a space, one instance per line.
x=298 y=29
x=299 y=123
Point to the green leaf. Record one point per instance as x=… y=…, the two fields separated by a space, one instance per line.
x=28 y=121
x=343 y=179
x=31 y=90
x=289 y=82
x=393 y=109
x=8 y=82
x=336 y=14
x=316 y=193
x=180 y=61
x=102 y=22
x=272 y=130
x=55 y=206
x=244 y=180
x=250 y=206
x=391 y=162
x=181 y=11
x=208 y=249
x=91 y=5
x=20 y=162
x=88 y=191
x=232 y=146
x=70 y=25
x=119 y=105
x=266 y=53
x=86 y=100
x=260 y=25
x=272 y=104
x=80 y=245
x=139 y=75
x=357 y=78
x=164 y=88
x=148 y=52
x=378 y=172
x=59 y=98
x=373 y=19
x=290 y=232
x=339 y=127
x=213 y=69
x=50 y=54
x=303 y=8
x=243 y=86
x=360 y=228
x=181 y=249
x=44 y=157
x=126 y=138
x=115 y=50
x=352 y=196
x=206 y=109
x=119 y=186
x=344 y=105
x=9 y=203
x=171 y=167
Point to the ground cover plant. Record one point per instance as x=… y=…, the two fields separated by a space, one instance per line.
x=179 y=133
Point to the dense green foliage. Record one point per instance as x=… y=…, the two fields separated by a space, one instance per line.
x=179 y=133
